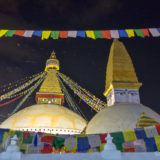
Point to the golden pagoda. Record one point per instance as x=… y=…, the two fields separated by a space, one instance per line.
x=145 y=121
x=50 y=91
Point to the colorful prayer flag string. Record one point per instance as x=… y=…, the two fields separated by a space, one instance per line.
x=92 y=34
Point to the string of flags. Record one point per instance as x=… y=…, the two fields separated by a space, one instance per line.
x=145 y=139
x=94 y=102
x=6 y=87
x=31 y=90
x=9 y=94
x=93 y=34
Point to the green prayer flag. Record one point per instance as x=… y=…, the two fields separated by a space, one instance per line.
x=27 y=140
x=139 y=33
x=58 y=142
x=55 y=34
x=10 y=33
x=98 y=34
x=117 y=137
x=19 y=134
x=119 y=146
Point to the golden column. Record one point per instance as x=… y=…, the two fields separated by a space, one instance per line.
x=50 y=91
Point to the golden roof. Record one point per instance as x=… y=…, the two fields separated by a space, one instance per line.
x=120 y=72
x=145 y=121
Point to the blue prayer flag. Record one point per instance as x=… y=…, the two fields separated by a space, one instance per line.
x=122 y=33
x=140 y=133
x=82 y=144
x=37 y=33
x=150 y=144
x=81 y=34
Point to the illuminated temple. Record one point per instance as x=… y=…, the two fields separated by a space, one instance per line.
x=121 y=113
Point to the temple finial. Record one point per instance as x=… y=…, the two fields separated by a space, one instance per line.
x=120 y=76
x=53 y=55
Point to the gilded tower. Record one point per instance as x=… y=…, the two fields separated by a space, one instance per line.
x=50 y=91
x=122 y=84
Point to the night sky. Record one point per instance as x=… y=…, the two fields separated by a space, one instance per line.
x=83 y=60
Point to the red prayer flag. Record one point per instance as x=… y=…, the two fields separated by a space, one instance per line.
x=47 y=139
x=19 y=32
x=145 y=32
x=102 y=137
x=63 y=34
x=26 y=134
x=46 y=149
x=129 y=150
x=106 y=34
x=158 y=128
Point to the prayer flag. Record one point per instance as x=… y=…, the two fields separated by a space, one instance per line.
x=27 y=140
x=37 y=33
x=150 y=144
x=55 y=34
x=158 y=128
x=3 y=32
x=98 y=34
x=117 y=137
x=157 y=141
x=19 y=32
x=90 y=34
x=47 y=139
x=72 y=34
x=151 y=131
x=102 y=137
x=81 y=34
x=139 y=145
x=28 y=33
x=145 y=32
x=70 y=143
x=10 y=33
x=129 y=135
x=130 y=33
x=139 y=33
x=63 y=34
x=106 y=34
x=46 y=149
x=58 y=142
x=122 y=33
x=45 y=34
x=154 y=32
x=94 y=140
x=140 y=133
x=82 y=144
x=114 y=33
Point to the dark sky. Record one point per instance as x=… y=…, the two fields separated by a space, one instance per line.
x=84 y=60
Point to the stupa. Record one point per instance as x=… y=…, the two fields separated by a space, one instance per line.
x=122 y=94
x=48 y=115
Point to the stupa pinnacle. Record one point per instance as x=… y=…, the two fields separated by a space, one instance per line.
x=121 y=78
x=50 y=90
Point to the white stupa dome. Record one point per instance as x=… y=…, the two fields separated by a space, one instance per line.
x=49 y=118
x=121 y=116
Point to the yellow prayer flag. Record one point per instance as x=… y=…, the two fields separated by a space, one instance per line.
x=3 y=32
x=45 y=34
x=90 y=34
x=157 y=140
x=129 y=135
x=130 y=33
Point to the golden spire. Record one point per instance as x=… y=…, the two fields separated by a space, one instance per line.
x=145 y=121
x=50 y=90
x=120 y=72
x=52 y=62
